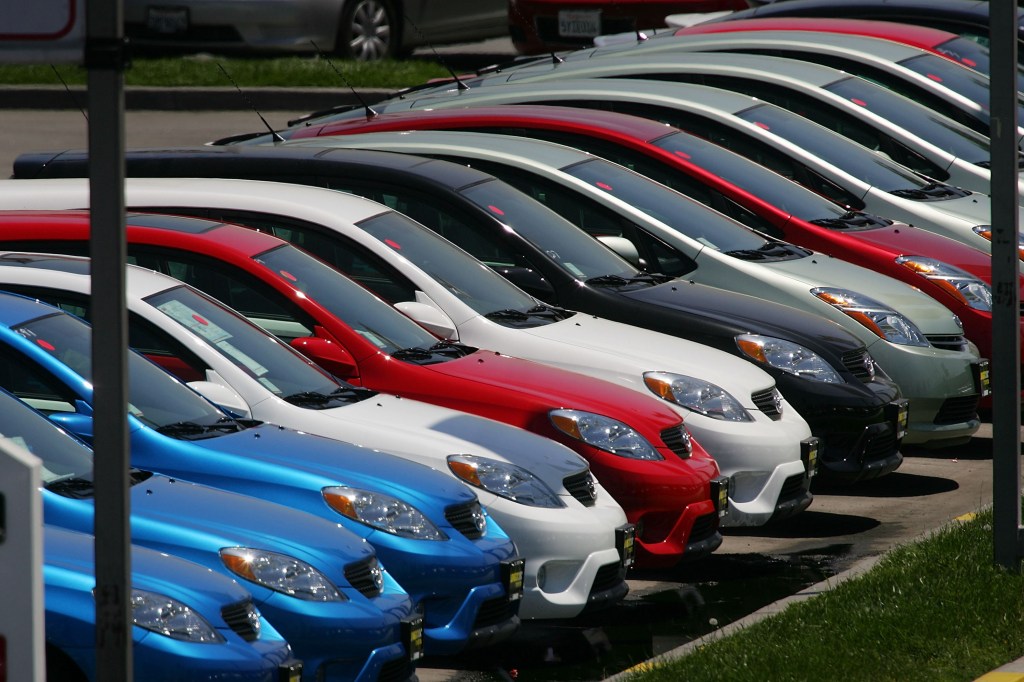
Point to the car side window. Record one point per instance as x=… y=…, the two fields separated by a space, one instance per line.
x=34 y=385
x=236 y=289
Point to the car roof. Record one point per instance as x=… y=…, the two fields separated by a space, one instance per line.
x=73 y=273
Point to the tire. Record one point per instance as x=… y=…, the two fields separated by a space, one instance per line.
x=369 y=30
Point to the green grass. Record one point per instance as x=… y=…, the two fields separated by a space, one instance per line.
x=938 y=610
x=200 y=71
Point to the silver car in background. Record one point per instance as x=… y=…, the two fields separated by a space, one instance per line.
x=351 y=29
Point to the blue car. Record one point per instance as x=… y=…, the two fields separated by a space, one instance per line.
x=188 y=621
x=320 y=586
x=430 y=530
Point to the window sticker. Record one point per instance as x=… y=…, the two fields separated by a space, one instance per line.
x=574 y=270
x=193 y=321
x=241 y=358
x=372 y=338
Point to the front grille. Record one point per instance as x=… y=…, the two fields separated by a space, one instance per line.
x=467 y=518
x=398 y=670
x=365 y=576
x=766 y=402
x=607 y=577
x=704 y=527
x=581 y=486
x=793 y=488
x=494 y=612
x=860 y=364
x=881 y=446
x=243 y=619
x=956 y=410
x=677 y=438
x=948 y=341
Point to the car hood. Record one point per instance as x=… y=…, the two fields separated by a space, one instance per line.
x=343 y=462
x=973 y=208
x=428 y=434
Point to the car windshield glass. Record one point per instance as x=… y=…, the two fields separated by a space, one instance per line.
x=679 y=212
x=368 y=315
x=920 y=120
x=973 y=55
x=566 y=245
x=750 y=176
x=861 y=163
x=966 y=82
x=475 y=284
x=262 y=356
x=63 y=456
x=154 y=396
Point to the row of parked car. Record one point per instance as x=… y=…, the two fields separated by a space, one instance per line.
x=409 y=374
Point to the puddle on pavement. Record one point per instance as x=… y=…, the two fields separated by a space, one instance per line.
x=667 y=611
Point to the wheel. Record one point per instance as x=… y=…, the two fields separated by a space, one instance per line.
x=368 y=30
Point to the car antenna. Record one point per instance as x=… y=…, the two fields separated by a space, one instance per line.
x=458 y=81
x=70 y=94
x=273 y=133
x=370 y=112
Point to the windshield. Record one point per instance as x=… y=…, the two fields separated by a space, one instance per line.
x=569 y=247
x=385 y=327
x=973 y=55
x=783 y=193
x=63 y=456
x=855 y=160
x=472 y=282
x=154 y=396
x=679 y=212
x=915 y=118
x=262 y=356
x=966 y=82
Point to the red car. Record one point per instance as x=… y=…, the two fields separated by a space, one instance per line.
x=961 y=50
x=674 y=499
x=736 y=186
x=538 y=26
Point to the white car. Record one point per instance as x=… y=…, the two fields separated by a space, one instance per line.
x=761 y=456
x=558 y=534
x=805 y=152
x=720 y=252
x=873 y=116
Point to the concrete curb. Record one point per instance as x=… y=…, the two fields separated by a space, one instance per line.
x=192 y=99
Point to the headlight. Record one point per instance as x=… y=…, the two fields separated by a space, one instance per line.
x=605 y=433
x=382 y=512
x=986 y=232
x=879 y=318
x=281 y=573
x=505 y=480
x=789 y=357
x=958 y=283
x=698 y=395
x=171 y=618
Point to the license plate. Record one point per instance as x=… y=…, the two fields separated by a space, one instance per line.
x=167 y=20
x=513 y=575
x=290 y=671
x=412 y=636
x=984 y=380
x=720 y=495
x=902 y=418
x=809 y=455
x=579 y=23
x=625 y=542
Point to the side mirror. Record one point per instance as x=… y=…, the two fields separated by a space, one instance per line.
x=330 y=355
x=223 y=397
x=78 y=424
x=625 y=248
x=430 y=318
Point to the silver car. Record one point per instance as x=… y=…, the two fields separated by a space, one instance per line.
x=355 y=29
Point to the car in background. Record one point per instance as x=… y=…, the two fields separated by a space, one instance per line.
x=537 y=26
x=967 y=18
x=416 y=517
x=566 y=524
x=311 y=578
x=954 y=274
x=349 y=29
x=963 y=50
x=187 y=620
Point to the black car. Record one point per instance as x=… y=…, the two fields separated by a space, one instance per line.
x=858 y=420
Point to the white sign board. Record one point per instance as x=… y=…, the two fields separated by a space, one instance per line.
x=42 y=31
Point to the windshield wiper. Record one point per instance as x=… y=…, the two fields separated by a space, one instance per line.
x=189 y=429
x=549 y=311
x=507 y=314
x=608 y=280
x=651 y=277
x=450 y=349
x=76 y=486
x=852 y=220
x=930 y=192
x=413 y=353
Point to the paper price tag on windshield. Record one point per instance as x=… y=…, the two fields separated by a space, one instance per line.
x=193 y=321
